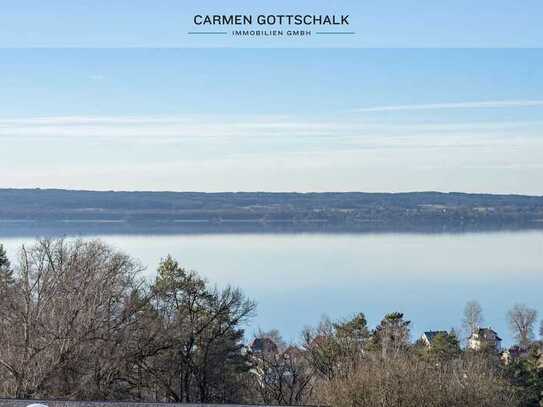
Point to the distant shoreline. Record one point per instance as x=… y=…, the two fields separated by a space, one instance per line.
x=42 y=211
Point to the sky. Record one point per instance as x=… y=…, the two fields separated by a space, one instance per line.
x=165 y=23
x=423 y=95
x=273 y=119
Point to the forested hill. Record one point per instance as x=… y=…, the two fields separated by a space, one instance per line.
x=262 y=211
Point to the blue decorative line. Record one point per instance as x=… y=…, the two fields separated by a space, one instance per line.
x=207 y=32
x=335 y=32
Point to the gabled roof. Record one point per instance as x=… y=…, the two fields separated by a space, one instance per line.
x=430 y=335
x=487 y=333
x=263 y=344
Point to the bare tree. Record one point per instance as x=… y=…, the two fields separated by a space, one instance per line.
x=521 y=321
x=473 y=317
x=283 y=376
x=69 y=300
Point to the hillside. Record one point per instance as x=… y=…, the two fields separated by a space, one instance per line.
x=37 y=209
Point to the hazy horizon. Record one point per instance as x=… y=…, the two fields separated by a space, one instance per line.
x=263 y=191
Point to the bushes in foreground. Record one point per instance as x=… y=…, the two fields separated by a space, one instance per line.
x=408 y=380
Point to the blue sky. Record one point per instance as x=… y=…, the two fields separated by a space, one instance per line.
x=264 y=81
x=164 y=23
x=273 y=119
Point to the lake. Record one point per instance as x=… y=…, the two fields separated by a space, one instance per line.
x=297 y=278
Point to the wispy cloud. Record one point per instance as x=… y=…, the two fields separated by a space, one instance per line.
x=265 y=132
x=494 y=104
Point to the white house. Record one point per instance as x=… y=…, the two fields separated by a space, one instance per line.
x=485 y=338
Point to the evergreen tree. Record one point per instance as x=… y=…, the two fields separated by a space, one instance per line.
x=445 y=346
x=526 y=375
x=355 y=329
x=6 y=273
x=392 y=334
x=202 y=356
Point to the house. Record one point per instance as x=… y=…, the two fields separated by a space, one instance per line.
x=429 y=336
x=534 y=352
x=263 y=345
x=483 y=339
x=512 y=354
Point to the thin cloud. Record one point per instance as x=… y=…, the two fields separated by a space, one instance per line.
x=496 y=104
x=168 y=129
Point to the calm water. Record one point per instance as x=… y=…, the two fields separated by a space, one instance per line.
x=297 y=278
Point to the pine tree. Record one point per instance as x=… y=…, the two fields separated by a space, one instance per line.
x=6 y=273
x=445 y=346
x=392 y=334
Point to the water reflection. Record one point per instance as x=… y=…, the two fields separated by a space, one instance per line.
x=297 y=278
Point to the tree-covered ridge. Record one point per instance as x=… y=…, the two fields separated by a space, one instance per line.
x=130 y=200
x=254 y=211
